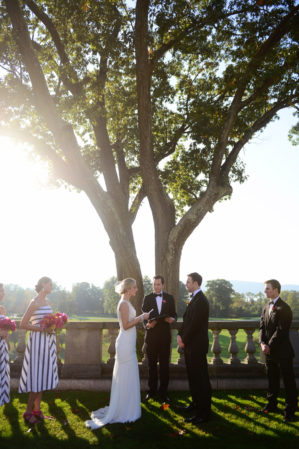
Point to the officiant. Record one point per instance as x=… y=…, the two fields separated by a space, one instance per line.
x=158 y=338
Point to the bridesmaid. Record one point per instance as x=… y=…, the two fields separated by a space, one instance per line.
x=39 y=371
x=4 y=360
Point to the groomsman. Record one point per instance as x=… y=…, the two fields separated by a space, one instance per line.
x=158 y=337
x=275 y=343
x=193 y=338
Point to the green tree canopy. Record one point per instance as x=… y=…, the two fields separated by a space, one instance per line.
x=87 y=299
x=153 y=99
x=220 y=295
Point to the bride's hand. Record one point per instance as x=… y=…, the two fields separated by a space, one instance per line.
x=146 y=315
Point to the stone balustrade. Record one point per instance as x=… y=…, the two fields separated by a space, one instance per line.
x=86 y=350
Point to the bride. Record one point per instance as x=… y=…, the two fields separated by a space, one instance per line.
x=124 y=403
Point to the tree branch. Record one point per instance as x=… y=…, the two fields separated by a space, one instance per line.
x=100 y=122
x=268 y=82
x=124 y=177
x=236 y=105
x=137 y=203
x=62 y=131
x=74 y=88
x=257 y=126
x=170 y=146
x=195 y=24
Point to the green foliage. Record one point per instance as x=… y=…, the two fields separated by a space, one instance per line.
x=147 y=285
x=111 y=298
x=87 y=299
x=91 y=77
x=182 y=299
x=219 y=293
x=292 y=298
x=16 y=299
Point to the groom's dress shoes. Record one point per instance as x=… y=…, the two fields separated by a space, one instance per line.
x=196 y=420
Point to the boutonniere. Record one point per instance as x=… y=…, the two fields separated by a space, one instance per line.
x=163 y=300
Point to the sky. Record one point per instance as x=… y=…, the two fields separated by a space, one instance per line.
x=56 y=232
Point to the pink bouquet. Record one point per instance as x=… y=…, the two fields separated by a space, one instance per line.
x=7 y=324
x=53 y=322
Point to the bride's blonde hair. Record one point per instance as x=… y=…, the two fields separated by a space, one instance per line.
x=124 y=285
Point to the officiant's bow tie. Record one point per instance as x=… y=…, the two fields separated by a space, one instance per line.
x=157 y=294
x=271 y=303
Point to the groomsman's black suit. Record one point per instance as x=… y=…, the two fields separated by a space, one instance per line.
x=158 y=341
x=274 y=332
x=194 y=334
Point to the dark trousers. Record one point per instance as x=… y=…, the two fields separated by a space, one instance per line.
x=284 y=367
x=199 y=382
x=158 y=350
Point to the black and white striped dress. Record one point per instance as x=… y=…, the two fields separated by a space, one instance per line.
x=4 y=371
x=39 y=371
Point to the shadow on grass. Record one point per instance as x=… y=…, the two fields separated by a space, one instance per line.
x=235 y=424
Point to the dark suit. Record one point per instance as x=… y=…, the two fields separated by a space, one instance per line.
x=194 y=334
x=158 y=341
x=274 y=332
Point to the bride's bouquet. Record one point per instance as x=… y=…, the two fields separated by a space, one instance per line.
x=7 y=324
x=53 y=322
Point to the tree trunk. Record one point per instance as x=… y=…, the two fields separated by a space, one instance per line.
x=170 y=270
x=168 y=253
x=117 y=223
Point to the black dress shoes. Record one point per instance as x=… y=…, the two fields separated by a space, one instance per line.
x=270 y=409
x=289 y=418
x=187 y=408
x=196 y=420
x=148 y=397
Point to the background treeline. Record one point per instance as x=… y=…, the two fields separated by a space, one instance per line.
x=90 y=300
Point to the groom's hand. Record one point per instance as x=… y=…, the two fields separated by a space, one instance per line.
x=151 y=324
x=169 y=319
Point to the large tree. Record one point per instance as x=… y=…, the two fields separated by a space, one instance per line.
x=151 y=101
x=220 y=295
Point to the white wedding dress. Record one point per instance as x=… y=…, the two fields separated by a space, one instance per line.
x=124 y=403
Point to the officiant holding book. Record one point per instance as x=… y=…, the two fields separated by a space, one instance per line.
x=158 y=338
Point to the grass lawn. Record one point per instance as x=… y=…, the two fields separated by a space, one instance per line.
x=236 y=424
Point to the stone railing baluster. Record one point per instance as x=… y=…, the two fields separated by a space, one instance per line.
x=144 y=360
x=233 y=347
x=58 y=350
x=216 y=348
x=250 y=348
x=83 y=358
x=16 y=366
x=113 y=334
x=181 y=359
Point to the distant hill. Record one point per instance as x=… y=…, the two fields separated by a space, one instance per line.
x=256 y=287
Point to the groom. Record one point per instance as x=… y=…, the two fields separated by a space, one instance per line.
x=158 y=337
x=193 y=338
